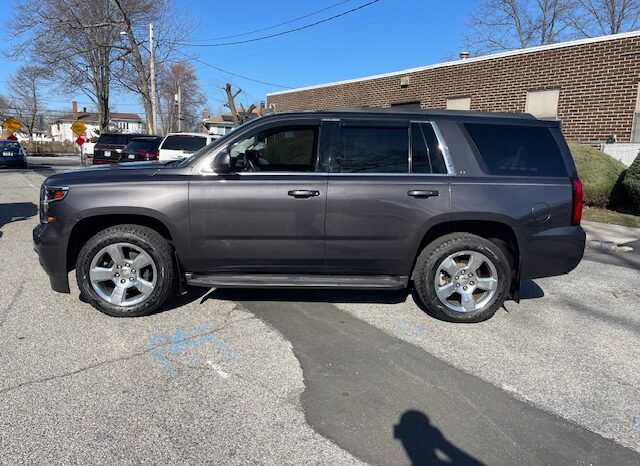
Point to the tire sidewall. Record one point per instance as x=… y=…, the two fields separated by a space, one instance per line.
x=110 y=236
x=429 y=269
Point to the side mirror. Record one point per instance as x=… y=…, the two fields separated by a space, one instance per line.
x=222 y=162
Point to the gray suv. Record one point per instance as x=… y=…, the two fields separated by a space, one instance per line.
x=462 y=206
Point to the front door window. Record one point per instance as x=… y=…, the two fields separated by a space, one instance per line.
x=290 y=149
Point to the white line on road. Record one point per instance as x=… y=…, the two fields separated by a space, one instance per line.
x=218 y=369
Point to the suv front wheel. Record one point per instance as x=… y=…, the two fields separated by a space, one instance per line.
x=461 y=277
x=126 y=271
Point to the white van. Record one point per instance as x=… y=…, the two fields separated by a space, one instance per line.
x=176 y=146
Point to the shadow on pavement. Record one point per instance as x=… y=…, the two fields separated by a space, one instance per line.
x=425 y=443
x=309 y=296
x=191 y=295
x=16 y=211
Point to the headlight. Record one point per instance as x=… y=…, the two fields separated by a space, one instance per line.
x=49 y=194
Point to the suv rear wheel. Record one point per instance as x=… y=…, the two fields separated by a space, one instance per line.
x=126 y=271
x=462 y=277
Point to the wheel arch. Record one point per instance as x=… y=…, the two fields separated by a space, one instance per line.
x=499 y=232
x=88 y=226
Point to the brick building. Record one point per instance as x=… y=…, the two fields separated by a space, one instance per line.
x=590 y=85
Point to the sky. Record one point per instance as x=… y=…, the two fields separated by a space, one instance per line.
x=388 y=35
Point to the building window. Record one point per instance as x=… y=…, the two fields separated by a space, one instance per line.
x=543 y=104
x=459 y=103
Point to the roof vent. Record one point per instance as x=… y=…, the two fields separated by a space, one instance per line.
x=405 y=81
x=464 y=55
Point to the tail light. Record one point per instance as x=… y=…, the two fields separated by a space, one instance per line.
x=147 y=155
x=578 y=198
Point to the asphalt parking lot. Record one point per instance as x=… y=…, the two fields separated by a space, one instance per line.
x=274 y=377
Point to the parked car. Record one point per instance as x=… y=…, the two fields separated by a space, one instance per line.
x=12 y=154
x=461 y=206
x=177 y=146
x=109 y=147
x=142 y=148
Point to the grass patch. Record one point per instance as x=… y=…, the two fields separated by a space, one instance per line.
x=610 y=216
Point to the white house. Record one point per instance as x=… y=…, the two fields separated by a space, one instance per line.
x=120 y=122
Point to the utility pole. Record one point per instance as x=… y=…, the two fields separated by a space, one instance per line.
x=179 y=109
x=152 y=71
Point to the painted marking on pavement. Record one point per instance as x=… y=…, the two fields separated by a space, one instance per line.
x=180 y=344
x=218 y=369
x=407 y=331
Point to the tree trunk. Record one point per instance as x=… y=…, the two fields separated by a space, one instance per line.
x=138 y=63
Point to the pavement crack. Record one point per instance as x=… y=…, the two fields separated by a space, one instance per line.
x=5 y=312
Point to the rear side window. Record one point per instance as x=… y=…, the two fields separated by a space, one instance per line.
x=426 y=153
x=512 y=150
x=372 y=150
x=113 y=139
x=184 y=142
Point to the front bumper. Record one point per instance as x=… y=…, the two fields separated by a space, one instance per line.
x=52 y=255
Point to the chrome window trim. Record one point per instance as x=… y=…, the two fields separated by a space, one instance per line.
x=448 y=161
x=201 y=167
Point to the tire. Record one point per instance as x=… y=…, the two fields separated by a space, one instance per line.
x=130 y=293
x=442 y=267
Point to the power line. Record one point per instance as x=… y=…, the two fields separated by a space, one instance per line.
x=289 y=31
x=275 y=25
x=233 y=74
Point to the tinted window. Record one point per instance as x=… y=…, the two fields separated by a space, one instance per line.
x=426 y=154
x=185 y=142
x=277 y=149
x=517 y=150
x=9 y=145
x=143 y=144
x=113 y=139
x=372 y=150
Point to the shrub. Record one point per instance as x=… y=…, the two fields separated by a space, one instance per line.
x=600 y=175
x=631 y=183
x=53 y=147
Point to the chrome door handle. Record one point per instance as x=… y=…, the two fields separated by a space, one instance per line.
x=421 y=193
x=303 y=193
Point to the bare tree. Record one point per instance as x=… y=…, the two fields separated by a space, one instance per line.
x=238 y=116
x=597 y=17
x=75 y=43
x=134 y=17
x=497 y=25
x=26 y=88
x=5 y=107
x=171 y=77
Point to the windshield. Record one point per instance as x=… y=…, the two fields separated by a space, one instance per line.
x=215 y=143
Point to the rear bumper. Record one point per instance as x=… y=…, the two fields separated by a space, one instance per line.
x=52 y=255
x=12 y=161
x=553 y=252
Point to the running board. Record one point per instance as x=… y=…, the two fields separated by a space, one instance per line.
x=354 y=282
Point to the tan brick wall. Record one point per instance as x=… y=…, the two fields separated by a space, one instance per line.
x=598 y=87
